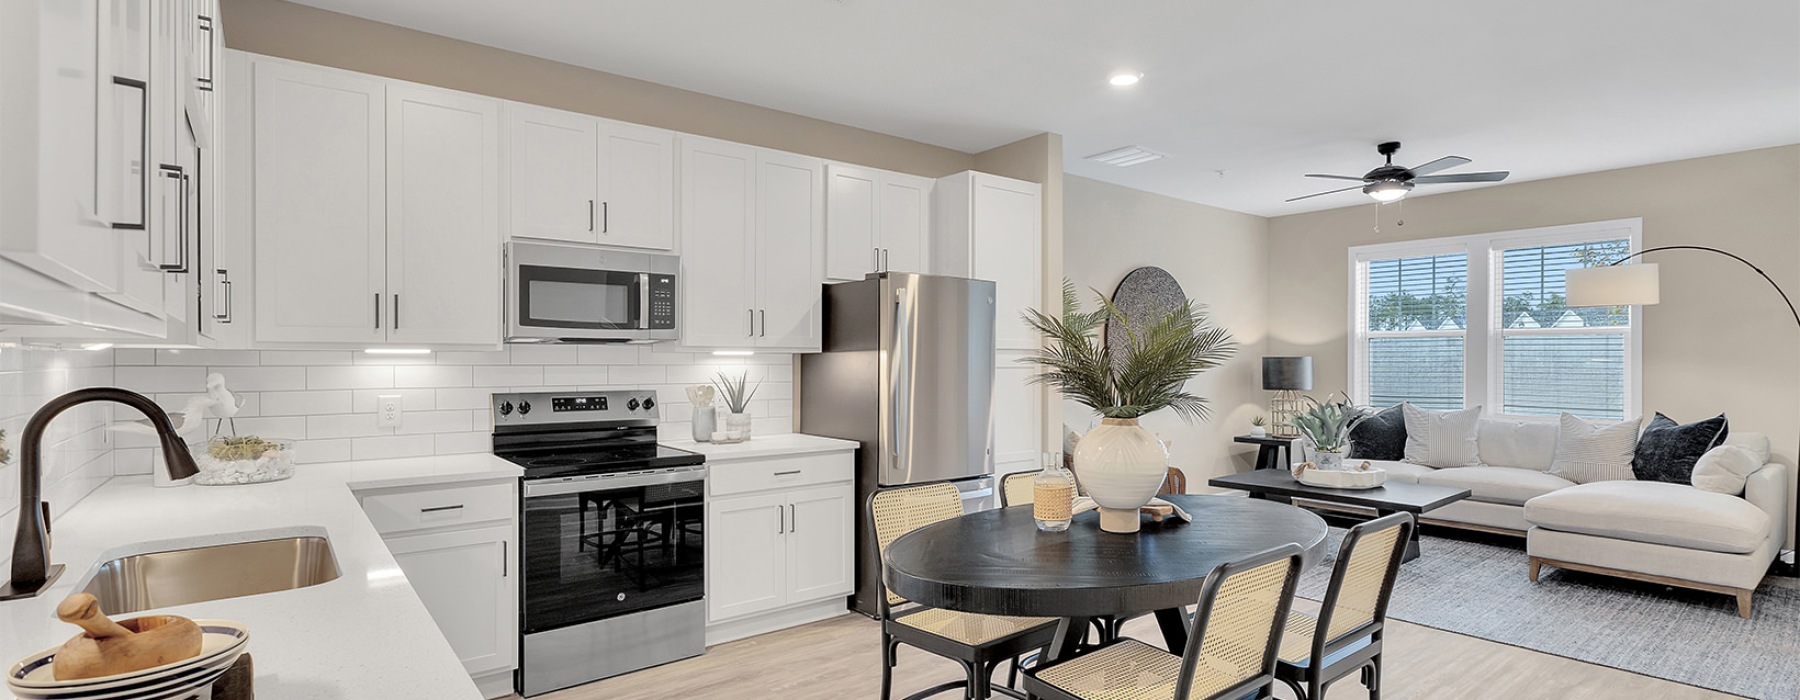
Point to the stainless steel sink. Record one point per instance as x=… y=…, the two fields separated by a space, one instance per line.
x=177 y=577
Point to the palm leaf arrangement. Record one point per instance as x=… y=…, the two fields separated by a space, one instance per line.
x=1327 y=425
x=1149 y=373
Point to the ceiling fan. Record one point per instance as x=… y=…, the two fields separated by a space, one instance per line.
x=1390 y=182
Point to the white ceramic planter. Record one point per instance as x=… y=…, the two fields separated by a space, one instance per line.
x=738 y=424
x=1121 y=466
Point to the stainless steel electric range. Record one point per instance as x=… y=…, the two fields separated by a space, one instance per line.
x=612 y=532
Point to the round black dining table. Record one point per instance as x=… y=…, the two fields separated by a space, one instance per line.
x=997 y=562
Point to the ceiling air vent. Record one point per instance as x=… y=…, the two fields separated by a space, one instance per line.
x=1126 y=157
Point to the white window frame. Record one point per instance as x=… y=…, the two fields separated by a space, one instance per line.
x=1483 y=339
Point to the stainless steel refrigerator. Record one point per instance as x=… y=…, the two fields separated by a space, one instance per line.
x=908 y=372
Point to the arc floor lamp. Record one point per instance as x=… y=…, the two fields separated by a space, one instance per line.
x=1629 y=285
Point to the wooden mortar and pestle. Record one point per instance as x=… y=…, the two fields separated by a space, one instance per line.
x=109 y=648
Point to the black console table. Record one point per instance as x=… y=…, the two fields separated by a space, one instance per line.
x=1270 y=450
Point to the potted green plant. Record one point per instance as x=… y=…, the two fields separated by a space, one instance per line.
x=1120 y=464
x=1259 y=426
x=1326 y=428
x=737 y=392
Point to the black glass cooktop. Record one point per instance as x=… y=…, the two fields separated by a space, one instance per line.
x=592 y=459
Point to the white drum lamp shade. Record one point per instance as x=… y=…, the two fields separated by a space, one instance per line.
x=1615 y=285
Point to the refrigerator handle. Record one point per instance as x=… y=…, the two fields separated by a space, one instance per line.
x=901 y=373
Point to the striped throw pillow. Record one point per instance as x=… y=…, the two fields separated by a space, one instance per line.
x=1586 y=453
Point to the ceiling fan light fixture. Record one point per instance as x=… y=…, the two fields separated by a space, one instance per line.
x=1388 y=190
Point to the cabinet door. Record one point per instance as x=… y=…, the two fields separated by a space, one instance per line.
x=1018 y=415
x=821 y=528
x=130 y=190
x=466 y=580
x=746 y=555
x=637 y=186
x=443 y=241
x=1007 y=248
x=790 y=251
x=850 y=223
x=904 y=224
x=320 y=207
x=717 y=242
x=554 y=177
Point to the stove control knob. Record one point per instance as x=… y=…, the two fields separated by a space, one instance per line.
x=649 y=403
x=632 y=405
x=506 y=408
x=524 y=407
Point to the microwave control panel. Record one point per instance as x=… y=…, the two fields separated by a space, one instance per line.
x=662 y=302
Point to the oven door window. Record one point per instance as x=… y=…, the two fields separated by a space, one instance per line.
x=562 y=297
x=603 y=553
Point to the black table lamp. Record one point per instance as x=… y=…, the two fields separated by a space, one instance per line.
x=1287 y=377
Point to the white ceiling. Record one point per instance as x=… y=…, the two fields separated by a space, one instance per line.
x=1264 y=91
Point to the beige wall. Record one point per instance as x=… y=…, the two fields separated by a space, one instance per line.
x=1721 y=340
x=1218 y=256
x=301 y=33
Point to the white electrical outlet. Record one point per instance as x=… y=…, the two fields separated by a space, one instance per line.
x=387 y=411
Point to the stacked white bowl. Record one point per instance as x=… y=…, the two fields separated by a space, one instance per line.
x=222 y=641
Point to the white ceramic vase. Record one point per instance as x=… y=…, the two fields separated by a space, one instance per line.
x=1258 y=431
x=1122 y=466
x=1328 y=461
x=739 y=424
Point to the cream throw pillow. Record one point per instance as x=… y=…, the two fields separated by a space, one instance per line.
x=1586 y=453
x=1725 y=468
x=1443 y=438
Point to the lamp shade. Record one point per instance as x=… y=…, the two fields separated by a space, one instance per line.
x=1287 y=373
x=1616 y=285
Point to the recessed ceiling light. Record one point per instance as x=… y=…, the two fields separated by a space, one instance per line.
x=1125 y=78
x=1126 y=157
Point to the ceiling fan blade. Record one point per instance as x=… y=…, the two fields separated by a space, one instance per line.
x=1321 y=194
x=1443 y=163
x=1494 y=176
x=1336 y=177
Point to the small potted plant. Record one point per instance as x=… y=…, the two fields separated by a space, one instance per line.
x=1325 y=426
x=1259 y=426
x=736 y=392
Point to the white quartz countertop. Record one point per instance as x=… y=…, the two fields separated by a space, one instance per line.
x=765 y=446
x=363 y=635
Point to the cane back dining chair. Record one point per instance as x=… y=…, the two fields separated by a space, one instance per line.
x=1346 y=635
x=979 y=642
x=1230 y=653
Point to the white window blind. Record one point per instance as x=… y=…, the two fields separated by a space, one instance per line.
x=1483 y=320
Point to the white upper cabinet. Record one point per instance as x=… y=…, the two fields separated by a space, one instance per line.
x=443 y=221
x=637 y=186
x=718 y=234
x=790 y=251
x=584 y=179
x=554 y=179
x=320 y=205
x=876 y=221
x=991 y=228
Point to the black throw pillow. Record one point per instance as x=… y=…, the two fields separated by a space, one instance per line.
x=1667 y=451
x=1381 y=436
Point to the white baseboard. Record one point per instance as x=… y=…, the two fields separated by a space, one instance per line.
x=732 y=630
x=495 y=685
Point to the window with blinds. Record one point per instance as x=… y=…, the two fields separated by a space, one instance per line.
x=1415 y=310
x=1484 y=320
x=1555 y=358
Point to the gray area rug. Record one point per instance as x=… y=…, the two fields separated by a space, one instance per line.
x=1477 y=586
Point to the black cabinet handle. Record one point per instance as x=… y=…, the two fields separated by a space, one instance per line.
x=605 y=217
x=143 y=217
x=590 y=215
x=765 y=322
x=205 y=82
x=378 y=309
x=396 y=312
x=223 y=315
x=437 y=509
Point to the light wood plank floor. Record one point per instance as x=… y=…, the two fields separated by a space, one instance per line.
x=839 y=659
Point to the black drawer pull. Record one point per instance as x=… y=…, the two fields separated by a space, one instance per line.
x=440 y=508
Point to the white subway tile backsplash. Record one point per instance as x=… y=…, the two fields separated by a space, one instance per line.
x=363 y=358
x=431 y=376
x=625 y=375
x=393 y=447
x=480 y=398
x=306 y=403
x=462 y=357
x=607 y=354
x=262 y=378
x=349 y=377
x=206 y=358
x=306 y=357
x=464 y=443
x=655 y=355
x=575 y=374
x=544 y=354
x=429 y=422
x=316 y=451
x=344 y=426
x=284 y=427
x=161 y=380
x=509 y=375
x=132 y=356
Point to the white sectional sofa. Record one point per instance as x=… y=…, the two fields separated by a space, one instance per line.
x=1673 y=534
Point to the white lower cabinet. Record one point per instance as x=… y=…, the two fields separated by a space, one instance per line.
x=779 y=542
x=457 y=545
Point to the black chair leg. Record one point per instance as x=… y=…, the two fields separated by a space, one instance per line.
x=889 y=658
x=1374 y=678
x=1299 y=691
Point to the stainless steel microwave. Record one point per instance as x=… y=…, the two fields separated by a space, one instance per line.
x=584 y=294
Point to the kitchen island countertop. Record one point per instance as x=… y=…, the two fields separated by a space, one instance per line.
x=364 y=635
